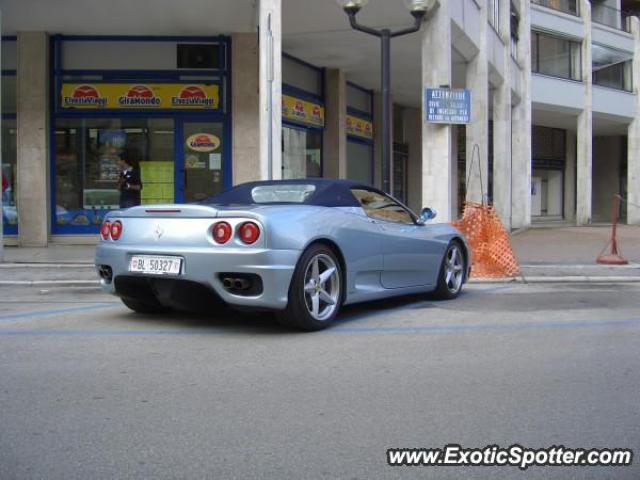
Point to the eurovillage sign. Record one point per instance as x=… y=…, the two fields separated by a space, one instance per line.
x=447 y=106
x=115 y=96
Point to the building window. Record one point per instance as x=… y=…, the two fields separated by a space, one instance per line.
x=566 y=6
x=360 y=161
x=359 y=130
x=86 y=169
x=612 y=68
x=8 y=132
x=9 y=156
x=514 y=18
x=610 y=16
x=548 y=150
x=548 y=146
x=493 y=12
x=616 y=76
x=555 y=56
x=301 y=152
x=302 y=118
x=301 y=75
x=171 y=124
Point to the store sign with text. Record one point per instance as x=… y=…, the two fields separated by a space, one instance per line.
x=359 y=127
x=123 y=96
x=447 y=105
x=203 y=142
x=301 y=111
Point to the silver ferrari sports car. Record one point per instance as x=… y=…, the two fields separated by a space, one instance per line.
x=302 y=248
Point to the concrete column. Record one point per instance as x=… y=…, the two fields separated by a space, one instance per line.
x=633 y=148
x=412 y=120
x=335 y=135
x=585 y=138
x=521 y=128
x=570 y=178
x=270 y=19
x=478 y=130
x=437 y=139
x=245 y=107
x=502 y=126
x=33 y=139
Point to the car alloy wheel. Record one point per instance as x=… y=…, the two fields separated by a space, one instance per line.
x=321 y=287
x=453 y=268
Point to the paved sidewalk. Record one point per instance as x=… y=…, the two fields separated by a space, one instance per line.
x=545 y=255
x=53 y=254
x=573 y=245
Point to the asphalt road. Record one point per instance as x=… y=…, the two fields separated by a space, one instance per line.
x=89 y=390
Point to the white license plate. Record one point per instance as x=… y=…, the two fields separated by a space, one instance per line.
x=155 y=265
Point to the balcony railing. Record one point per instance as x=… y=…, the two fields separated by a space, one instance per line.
x=609 y=16
x=566 y=6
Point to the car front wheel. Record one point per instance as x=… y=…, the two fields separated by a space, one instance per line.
x=316 y=290
x=451 y=275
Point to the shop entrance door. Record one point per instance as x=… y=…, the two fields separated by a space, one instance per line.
x=200 y=167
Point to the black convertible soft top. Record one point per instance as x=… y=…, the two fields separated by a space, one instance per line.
x=328 y=192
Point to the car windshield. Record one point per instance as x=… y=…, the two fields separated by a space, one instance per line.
x=297 y=193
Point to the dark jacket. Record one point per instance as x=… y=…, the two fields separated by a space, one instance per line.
x=130 y=197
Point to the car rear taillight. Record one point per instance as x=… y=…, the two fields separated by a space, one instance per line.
x=249 y=232
x=221 y=232
x=105 y=230
x=116 y=230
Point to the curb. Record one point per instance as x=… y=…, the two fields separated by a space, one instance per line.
x=559 y=279
x=46 y=265
x=473 y=281
x=51 y=283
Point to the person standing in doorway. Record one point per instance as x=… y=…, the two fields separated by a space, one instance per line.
x=129 y=183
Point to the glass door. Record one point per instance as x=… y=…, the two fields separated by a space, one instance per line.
x=202 y=159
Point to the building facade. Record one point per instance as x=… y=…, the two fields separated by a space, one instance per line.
x=203 y=102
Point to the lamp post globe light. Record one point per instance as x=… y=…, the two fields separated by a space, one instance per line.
x=417 y=8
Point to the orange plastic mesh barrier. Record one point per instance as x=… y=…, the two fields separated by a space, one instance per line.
x=489 y=242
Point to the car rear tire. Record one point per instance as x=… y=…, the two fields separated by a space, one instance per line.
x=452 y=271
x=143 y=307
x=316 y=291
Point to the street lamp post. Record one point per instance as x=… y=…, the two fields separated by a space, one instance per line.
x=418 y=9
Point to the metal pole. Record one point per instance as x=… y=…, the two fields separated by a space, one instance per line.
x=385 y=38
x=270 y=94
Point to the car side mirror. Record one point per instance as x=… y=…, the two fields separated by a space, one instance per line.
x=427 y=214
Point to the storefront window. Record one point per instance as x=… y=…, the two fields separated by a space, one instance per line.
x=9 y=212
x=86 y=169
x=9 y=153
x=301 y=152
x=548 y=150
x=359 y=129
x=359 y=161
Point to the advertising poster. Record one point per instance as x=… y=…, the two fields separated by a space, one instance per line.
x=301 y=111
x=122 y=96
x=157 y=182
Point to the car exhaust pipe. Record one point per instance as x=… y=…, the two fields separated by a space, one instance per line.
x=241 y=284
x=106 y=273
x=227 y=282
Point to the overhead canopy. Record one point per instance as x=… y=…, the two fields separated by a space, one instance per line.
x=315 y=30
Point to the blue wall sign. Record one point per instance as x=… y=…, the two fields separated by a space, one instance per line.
x=446 y=105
